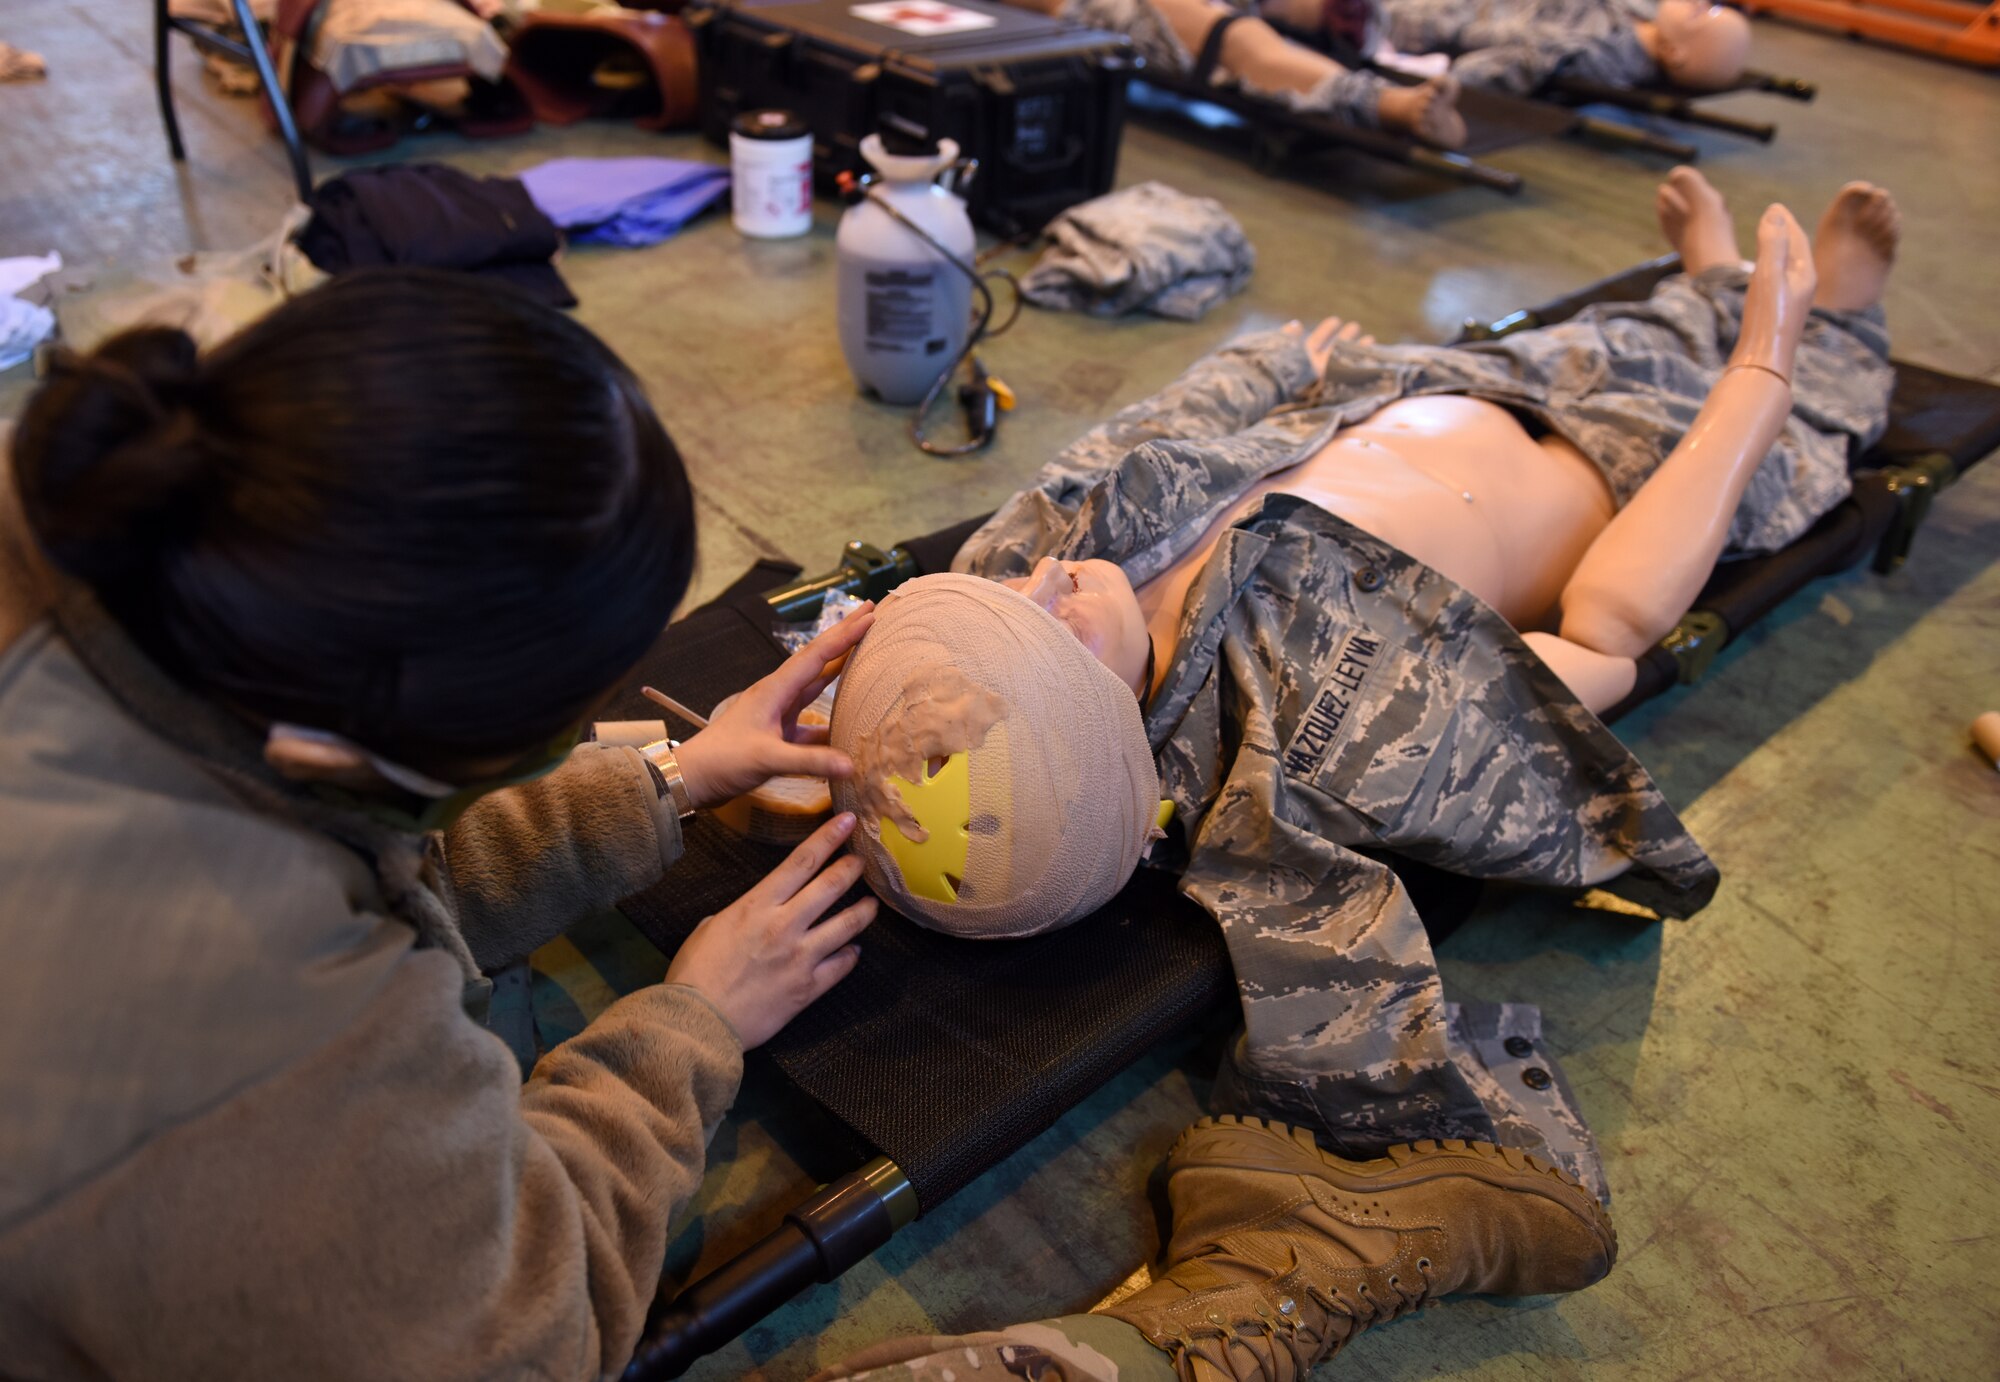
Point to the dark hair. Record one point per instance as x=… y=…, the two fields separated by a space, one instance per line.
x=409 y=507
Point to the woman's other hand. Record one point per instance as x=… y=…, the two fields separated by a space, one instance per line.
x=759 y=737
x=763 y=958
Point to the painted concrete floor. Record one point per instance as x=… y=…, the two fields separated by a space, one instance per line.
x=1798 y=1093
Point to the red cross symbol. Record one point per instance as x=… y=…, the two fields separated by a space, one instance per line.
x=919 y=14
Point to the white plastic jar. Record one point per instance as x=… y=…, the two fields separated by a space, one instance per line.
x=770 y=165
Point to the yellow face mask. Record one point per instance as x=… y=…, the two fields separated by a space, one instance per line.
x=942 y=804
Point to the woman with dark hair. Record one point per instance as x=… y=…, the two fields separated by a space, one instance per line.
x=297 y=642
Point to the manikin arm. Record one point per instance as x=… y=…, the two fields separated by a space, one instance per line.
x=1649 y=563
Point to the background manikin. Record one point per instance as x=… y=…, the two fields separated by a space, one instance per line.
x=1517 y=45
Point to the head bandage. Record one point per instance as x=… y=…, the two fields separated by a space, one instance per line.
x=1003 y=783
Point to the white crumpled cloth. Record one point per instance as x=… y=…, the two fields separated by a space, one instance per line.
x=23 y=324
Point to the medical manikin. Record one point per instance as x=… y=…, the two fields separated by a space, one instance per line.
x=1329 y=598
x=1170 y=34
x=1517 y=45
x=1507 y=45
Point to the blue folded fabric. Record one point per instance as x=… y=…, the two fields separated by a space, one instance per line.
x=624 y=201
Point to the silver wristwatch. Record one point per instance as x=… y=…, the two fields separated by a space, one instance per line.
x=660 y=753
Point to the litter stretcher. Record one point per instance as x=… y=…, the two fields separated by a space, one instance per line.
x=1279 y=136
x=1659 y=98
x=937 y=1059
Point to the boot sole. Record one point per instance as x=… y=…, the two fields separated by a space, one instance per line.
x=1414 y=1163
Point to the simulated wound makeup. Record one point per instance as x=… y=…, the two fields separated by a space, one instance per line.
x=943 y=714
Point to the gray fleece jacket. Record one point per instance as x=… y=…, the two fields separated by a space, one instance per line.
x=247 y=1129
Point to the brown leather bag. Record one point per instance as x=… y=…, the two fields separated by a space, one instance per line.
x=637 y=64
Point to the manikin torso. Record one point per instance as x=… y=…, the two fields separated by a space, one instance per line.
x=1456 y=483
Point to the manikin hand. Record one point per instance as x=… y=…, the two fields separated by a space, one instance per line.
x=1780 y=295
x=1319 y=346
x=759 y=735
x=767 y=955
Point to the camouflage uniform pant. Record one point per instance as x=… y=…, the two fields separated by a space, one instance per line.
x=1516 y=45
x=1354 y=97
x=1075 y=1348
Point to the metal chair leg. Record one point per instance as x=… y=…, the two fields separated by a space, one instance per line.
x=162 y=31
x=281 y=104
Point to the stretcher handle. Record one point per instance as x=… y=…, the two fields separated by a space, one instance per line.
x=866 y=572
x=1671 y=105
x=1465 y=169
x=1791 y=88
x=838 y=1226
x=1630 y=137
x=1763 y=131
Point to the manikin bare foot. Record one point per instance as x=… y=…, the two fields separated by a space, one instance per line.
x=1855 y=246
x=1696 y=221
x=1779 y=296
x=1428 y=111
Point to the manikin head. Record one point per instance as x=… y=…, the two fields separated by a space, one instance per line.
x=1003 y=782
x=1094 y=600
x=1699 y=45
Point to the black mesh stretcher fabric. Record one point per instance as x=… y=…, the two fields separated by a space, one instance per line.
x=1493 y=121
x=947 y=1056
x=943 y=1055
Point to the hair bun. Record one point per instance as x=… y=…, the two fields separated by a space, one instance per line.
x=109 y=454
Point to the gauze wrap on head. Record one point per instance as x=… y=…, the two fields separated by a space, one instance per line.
x=1060 y=784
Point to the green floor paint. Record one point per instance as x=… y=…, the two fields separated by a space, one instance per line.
x=1798 y=1092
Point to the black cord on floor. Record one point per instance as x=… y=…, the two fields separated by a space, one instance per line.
x=982 y=330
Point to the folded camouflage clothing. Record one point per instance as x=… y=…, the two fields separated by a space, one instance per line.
x=1147 y=248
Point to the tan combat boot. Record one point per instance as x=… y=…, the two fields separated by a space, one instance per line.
x=1282 y=1253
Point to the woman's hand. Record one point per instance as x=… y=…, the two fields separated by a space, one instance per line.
x=762 y=959
x=1319 y=346
x=759 y=737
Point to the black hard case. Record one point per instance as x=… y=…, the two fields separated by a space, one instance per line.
x=1040 y=103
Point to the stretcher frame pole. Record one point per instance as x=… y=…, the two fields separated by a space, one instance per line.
x=1668 y=105
x=1629 y=137
x=1274 y=145
x=1763 y=131
x=1464 y=169
x=839 y=1225
x=1274 y=148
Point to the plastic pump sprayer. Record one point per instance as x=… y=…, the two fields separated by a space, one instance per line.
x=913 y=303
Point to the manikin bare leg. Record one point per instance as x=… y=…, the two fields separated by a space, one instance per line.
x=1256 y=53
x=1646 y=567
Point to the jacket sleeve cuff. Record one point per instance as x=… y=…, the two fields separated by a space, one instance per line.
x=659 y=807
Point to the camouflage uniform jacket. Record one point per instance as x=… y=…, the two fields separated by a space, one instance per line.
x=1517 y=45
x=1330 y=695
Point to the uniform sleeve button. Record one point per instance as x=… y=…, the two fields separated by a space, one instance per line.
x=1520 y=1046
x=1534 y=1077
x=1368 y=580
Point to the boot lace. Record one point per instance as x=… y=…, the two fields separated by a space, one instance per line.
x=1284 y=1333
